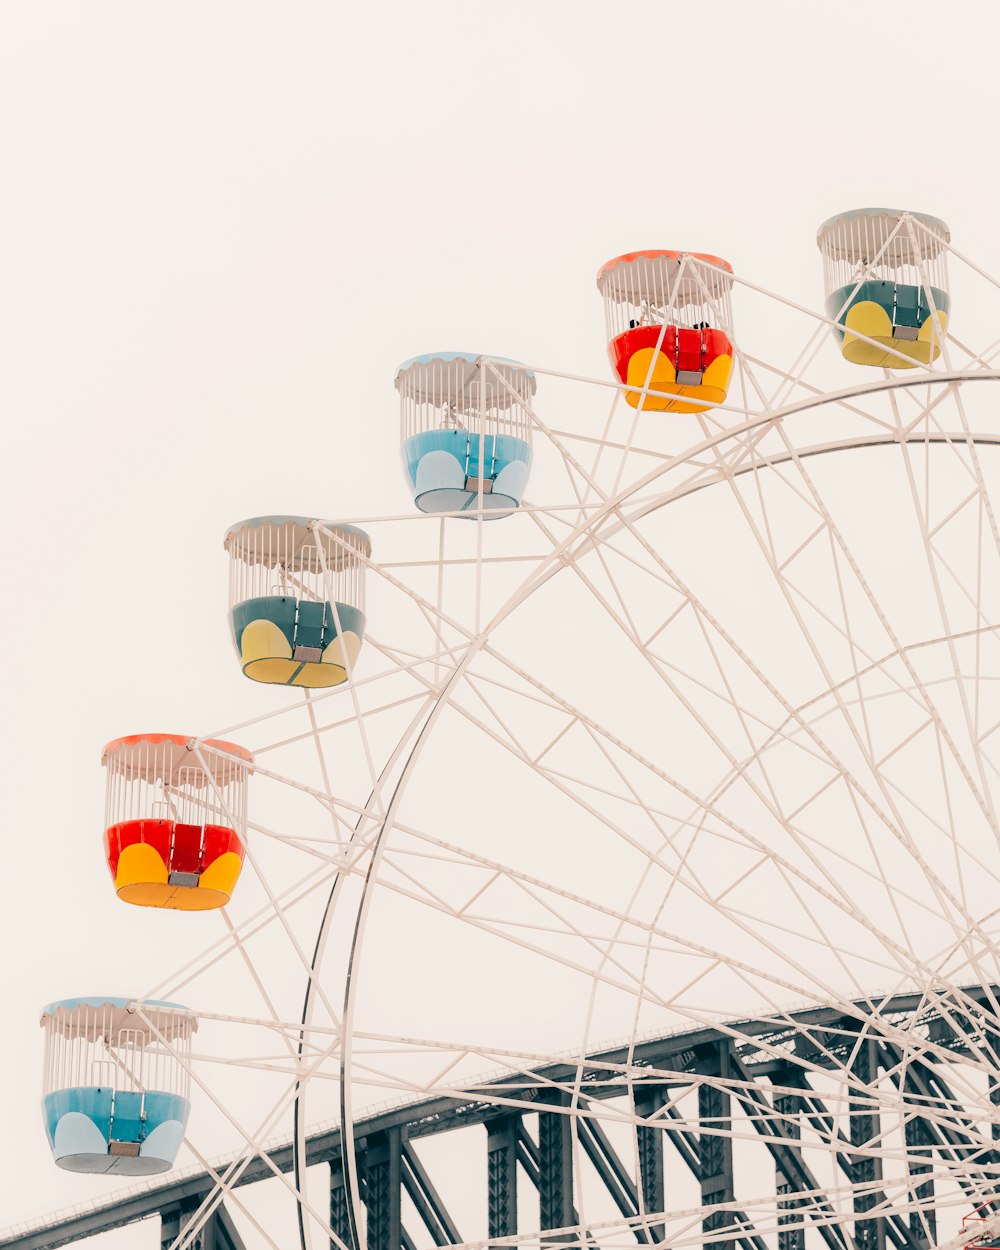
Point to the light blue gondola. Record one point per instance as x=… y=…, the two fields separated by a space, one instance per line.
x=116 y=1084
x=466 y=432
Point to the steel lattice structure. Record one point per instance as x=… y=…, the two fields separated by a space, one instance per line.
x=764 y=1076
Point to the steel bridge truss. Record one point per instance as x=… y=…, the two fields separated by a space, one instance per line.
x=534 y=1123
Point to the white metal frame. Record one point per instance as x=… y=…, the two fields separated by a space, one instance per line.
x=759 y=456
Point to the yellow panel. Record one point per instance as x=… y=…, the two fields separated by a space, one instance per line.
x=664 y=379
x=335 y=652
x=712 y=390
x=147 y=893
x=222 y=874
x=273 y=672
x=317 y=676
x=140 y=863
x=263 y=640
x=928 y=334
x=872 y=320
x=186 y=898
x=867 y=317
x=717 y=377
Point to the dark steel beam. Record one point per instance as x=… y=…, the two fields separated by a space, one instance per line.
x=685 y=1141
x=339 y=1221
x=715 y=1145
x=427 y=1200
x=612 y=1172
x=866 y=1132
x=383 y=1174
x=555 y=1168
x=791 y=1231
x=649 y=1148
x=789 y=1161
x=218 y=1232
x=951 y=1140
x=503 y=1138
x=819 y=1119
x=923 y=1223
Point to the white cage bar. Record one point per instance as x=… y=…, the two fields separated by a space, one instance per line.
x=454 y=391
x=160 y=777
x=684 y=289
x=877 y=244
x=292 y=556
x=106 y=1043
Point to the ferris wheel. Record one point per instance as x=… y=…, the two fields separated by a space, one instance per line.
x=671 y=709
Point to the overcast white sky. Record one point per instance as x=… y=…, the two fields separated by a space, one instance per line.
x=222 y=225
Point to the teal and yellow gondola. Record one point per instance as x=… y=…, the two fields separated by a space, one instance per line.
x=296 y=604
x=886 y=285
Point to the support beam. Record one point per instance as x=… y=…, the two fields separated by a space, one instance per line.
x=866 y=1131
x=555 y=1169
x=715 y=1145
x=686 y=1143
x=788 y=1159
x=383 y=1174
x=649 y=1147
x=923 y=1223
x=217 y=1233
x=790 y=1211
x=952 y=1140
x=338 y=1205
x=612 y=1172
x=822 y=1122
x=503 y=1136
x=427 y=1200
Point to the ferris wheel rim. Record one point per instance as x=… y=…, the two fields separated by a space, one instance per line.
x=551 y=564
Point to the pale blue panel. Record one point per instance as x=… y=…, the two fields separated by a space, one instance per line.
x=163 y=1142
x=512 y=480
x=77 y=1134
x=438 y=470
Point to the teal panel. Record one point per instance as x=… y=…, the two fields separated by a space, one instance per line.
x=311 y=624
x=126 y=1123
x=316 y=625
x=93 y=1101
x=278 y=609
x=161 y=1107
x=497 y=451
x=905 y=304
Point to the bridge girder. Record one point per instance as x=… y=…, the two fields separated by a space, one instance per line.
x=755 y=1066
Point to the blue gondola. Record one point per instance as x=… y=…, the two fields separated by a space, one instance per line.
x=116 y=1083
x=466 y=432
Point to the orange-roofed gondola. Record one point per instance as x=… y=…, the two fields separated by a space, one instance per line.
x=175 y=819
x=669 y=327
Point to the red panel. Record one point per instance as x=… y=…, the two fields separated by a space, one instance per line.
x=623 y=348
x=685 y=354
x=187 y=840
x=716 y=344
x=156 y=833
x=689 y=350
x=185 y=854
x=219 y=840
